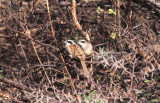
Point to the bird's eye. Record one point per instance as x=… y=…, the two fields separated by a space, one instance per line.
x=70 y=42
x=83 y=41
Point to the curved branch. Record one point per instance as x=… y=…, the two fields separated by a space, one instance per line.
x=76 y=20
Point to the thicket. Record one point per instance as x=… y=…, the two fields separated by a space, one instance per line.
x=35 y=67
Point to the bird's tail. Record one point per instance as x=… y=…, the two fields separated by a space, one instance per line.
x=86 y=72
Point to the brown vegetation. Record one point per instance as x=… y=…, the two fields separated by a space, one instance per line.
x=34 y=67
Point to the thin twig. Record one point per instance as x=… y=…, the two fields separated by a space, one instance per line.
x=28 y=32
x=14 y=84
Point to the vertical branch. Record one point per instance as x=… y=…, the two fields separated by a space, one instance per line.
x=78 y=98
x=75 y=15
x=119 y=18
x=76 y=20
x=128 y=12
x=119 y=23
x=53 y=31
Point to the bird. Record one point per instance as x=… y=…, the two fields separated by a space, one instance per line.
x=75 y=51
x=86 y=46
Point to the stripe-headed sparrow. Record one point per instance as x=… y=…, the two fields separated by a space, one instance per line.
x=86 y=46
x=77 y=52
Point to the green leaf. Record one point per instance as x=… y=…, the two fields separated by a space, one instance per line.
x=1 y=71
x=98 y=9
x=93 y=92
x=118 y=77
x=113 y=35
x=87 y=1
x=111 y=11
x=99 y=78
x=146 y=81
x=154 y=100
x=143 y=90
